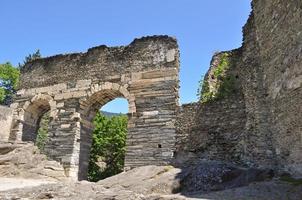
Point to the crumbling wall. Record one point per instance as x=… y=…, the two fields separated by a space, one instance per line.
x=214 y=127
x=218 y=131
x=272 y=78
x=102 y=63
x=6 y=117
x=269 y=73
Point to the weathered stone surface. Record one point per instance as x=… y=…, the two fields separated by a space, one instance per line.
x=272 y=58
x=261 y=124
x=23 y=160
x=157 y=183
x=6 y=117
x=210 y=176
x=75 y=86
x=215 y=129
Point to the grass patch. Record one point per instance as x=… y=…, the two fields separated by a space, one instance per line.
x=291 y=180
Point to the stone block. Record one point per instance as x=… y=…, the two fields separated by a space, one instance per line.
x=79 y=94
x=65 y=126
x=83 y=83
x=171 y=54
x=58 y=97
x=150 y=113
x=6 y=119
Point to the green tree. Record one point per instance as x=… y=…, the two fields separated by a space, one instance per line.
x=108 y=146
x=42 y=133
x=31 y=57
x=9 y=79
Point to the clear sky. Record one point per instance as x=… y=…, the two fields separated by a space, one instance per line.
x=63 y=26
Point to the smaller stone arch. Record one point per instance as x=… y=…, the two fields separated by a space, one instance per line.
x=31 y=113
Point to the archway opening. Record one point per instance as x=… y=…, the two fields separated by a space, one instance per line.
x=107 y=153
x=36 y=123
x=104 y=127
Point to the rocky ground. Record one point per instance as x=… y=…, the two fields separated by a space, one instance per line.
x=271 y=190
x=24 y=160
x=26 y=174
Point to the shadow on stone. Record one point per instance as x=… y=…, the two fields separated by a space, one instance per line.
x=207 y=176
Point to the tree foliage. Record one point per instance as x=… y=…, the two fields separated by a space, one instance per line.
x=108 y=146
x=42 y=133
x=31 y=57
x=9 y=79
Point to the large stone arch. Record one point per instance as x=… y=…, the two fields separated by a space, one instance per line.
x=144 y=72
x=100 y=95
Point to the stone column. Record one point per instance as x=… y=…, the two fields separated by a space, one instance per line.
x=64 y=137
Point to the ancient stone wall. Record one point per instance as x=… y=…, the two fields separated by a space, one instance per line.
x=75 y=86
x=215 y=129
x=6 y=117
x=270 y=77
x=102 y=63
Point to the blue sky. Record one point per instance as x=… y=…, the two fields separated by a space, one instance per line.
x=63 y=26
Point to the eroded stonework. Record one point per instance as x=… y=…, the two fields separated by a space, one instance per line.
x=260 y=124
x=75 y=86
x=5 y=122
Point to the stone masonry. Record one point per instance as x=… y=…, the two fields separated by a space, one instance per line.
x=271 y=75
x=73 y=87
x=215 y=129
x=5 y=122
x=258 y=123
x=267 y=129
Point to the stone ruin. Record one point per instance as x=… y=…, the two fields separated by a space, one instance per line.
x=260 y=122
x=74 y=87
x=258 y=125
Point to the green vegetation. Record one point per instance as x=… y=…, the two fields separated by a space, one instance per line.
x=31 y=57
x=204 y=93
x=224 y=84
x=108 y=147
x=291 y=180
x=223 y=66
x=9 y=79
x=42 y=133
x=227 y=87
x=108 y=144
x=2 y=95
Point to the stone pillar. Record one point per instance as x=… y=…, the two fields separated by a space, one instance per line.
x=6 y=117
x=64 y=136
x=151 y=130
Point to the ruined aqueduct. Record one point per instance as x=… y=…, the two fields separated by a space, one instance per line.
x=74 y=86
x=257 y=124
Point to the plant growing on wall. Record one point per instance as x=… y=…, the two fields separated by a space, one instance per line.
x=203 y=91
x=42 y=133
x=108 y=146
x=224 y=84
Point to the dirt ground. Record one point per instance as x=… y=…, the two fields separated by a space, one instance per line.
x=16 y=188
